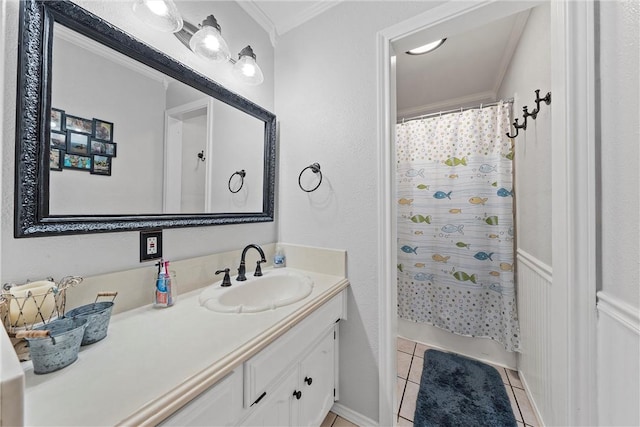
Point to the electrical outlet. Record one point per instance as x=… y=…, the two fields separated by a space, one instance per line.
x=150 y=245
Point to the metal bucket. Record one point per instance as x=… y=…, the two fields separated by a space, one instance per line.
x=97 y=314
x=55 y=345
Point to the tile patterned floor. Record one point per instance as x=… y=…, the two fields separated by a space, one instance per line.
x=410 y=361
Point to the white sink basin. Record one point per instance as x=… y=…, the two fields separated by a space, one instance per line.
x=276 y=288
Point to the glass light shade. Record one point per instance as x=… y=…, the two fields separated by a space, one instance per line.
x=209 y=44
x=161 y=15
x=246 y=69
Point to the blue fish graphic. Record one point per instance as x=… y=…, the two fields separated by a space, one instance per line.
x=442 y=195
x=413 y=173
x=495 y=287
x=423 y=277
x=483 y=256
x=409 y=249
x=503 y=192
x=450 y=228
x=487 y=168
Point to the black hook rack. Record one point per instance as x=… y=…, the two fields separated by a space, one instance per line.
x=201 y=156
x=315 y=168
x=533 y=114
x=242 y=174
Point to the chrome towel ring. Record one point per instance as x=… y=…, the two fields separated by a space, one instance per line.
x=242 y=174
x=315 y=168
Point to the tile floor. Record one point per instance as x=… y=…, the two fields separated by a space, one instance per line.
x=410 y=361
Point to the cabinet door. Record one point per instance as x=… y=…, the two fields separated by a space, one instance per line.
x=279 y=406
x=220 y=405
x=317 y=382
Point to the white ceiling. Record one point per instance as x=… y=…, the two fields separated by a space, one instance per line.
x=466 y=70
x=278 y=17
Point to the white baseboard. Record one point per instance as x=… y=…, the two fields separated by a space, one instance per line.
x=536 y=410
x=352 y=416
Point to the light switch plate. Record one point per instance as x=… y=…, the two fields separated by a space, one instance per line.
x=150 y=245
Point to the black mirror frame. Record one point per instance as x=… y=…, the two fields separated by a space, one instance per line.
x=31 y=202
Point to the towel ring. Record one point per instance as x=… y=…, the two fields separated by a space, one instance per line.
x=242 y=174
x=315 y=168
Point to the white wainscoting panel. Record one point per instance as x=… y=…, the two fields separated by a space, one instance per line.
x=534 y=305
x=618 y=362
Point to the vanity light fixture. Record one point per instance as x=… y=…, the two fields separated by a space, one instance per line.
x=246 y=69
x=162 y=15
x=206 y=42
x=429 y=47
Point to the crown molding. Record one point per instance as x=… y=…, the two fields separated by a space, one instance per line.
x=258 y=15
x=315 y=8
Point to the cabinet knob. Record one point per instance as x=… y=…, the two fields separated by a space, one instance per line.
x=308 y=380
x=297 y=394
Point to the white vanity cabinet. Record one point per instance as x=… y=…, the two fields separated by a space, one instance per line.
x=291 y=382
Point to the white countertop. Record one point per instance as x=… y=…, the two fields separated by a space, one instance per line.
x=153 y=360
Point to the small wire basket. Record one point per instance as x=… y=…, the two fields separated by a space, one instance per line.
x=24 y=307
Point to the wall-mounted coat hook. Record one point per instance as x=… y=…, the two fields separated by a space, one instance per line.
x=201 y=156
x=533 y=114
x=315 y=168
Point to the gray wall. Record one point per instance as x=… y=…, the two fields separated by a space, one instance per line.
x=327 y=87
x=530 y=69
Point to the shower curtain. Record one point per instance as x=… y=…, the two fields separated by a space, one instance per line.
x=455 y=224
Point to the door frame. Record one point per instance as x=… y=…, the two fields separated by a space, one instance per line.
x=173 y=152
x=574 y=195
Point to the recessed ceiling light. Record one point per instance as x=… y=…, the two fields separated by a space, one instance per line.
x=426 y=48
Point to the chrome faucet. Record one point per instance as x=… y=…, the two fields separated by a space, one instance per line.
x=241 y=270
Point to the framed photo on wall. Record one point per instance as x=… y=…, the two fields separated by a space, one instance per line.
x=101 y=165
x=78 y=124
x=73 y=161
x=57 y=119
x=77 y=143
x=58 y=140
x=102 y=130
x=55 y=159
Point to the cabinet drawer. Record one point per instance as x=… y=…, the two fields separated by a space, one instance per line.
x=262 y=369
x=220 y=405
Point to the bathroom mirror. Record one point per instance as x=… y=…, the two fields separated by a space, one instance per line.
x=111 y=147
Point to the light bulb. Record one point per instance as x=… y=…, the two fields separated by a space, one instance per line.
x=208 y=42
x=426 y=48
x=161 y=15
x=246 y=69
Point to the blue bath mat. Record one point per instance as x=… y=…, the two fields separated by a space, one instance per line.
x=456 y=391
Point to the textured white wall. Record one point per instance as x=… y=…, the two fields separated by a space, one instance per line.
x=530 y=69
x=620 y=130
x=326 y=102
x=619 y=300
x=101 y=253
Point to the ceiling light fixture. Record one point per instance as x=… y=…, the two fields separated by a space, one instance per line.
x=429 y=47
x=206 y=42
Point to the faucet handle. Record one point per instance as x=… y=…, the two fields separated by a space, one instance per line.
x=226 y=281
x=258 y=272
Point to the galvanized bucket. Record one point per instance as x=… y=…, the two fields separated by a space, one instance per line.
x=98 y=315
x=55 y=345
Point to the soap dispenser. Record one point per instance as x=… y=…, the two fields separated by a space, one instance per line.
x=279 y=259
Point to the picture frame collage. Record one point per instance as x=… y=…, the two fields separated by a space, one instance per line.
x=81 y=144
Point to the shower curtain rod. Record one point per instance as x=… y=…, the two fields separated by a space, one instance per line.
x=457 y=110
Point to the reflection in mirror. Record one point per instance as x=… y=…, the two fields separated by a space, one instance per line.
x=159 y=125
x=113 y=135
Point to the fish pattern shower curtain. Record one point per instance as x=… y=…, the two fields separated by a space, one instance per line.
x=455 y=224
